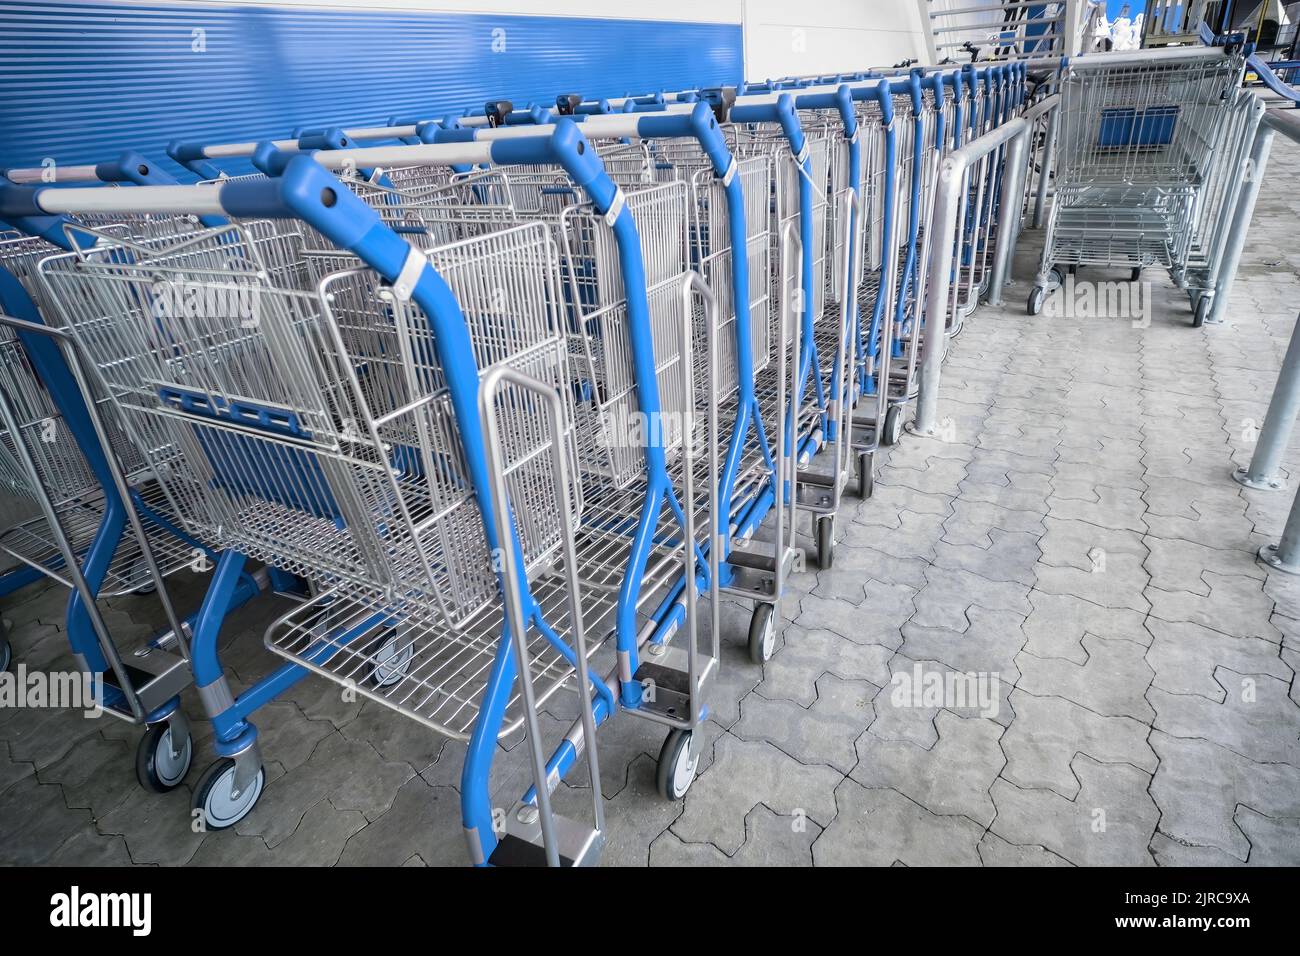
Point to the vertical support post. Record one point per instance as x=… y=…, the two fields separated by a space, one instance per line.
x=1244 y=212
x=1045 y=168
x=1013 y=184
x=1265 y=471
x=944 y=223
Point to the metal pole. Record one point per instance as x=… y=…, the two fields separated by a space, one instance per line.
x=1013 y=184
x=1241 y=217
x=945 y=221
x=1285 y=555
x=1265 y=473
x=1045 y=170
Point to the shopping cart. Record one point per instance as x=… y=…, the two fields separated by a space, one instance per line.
x=1138 y=155
x=110 y=510
x=444 y=614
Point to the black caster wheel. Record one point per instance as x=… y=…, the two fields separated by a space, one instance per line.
x=158 y=769
x=866 y=475
x=219 y=807
x=6 y=654
x=677 y=767
x=139 y=578
x=762 y=633
x=1135 y=274
x=893 y=428
x=1036 y=296
x=1201 y=311
x=390 y=660
x=825 y=541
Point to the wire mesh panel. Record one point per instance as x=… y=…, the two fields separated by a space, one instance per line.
x=1146 y=123
x=608 y=412
x=1143 y=144
x=311 y=429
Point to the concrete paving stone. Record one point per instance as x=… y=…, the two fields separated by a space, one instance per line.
x=1111 y=682
x=989 y=644
x=888 y=500
x=995 y=851
x=1199 y=786
x=88 y=848
x=158 y=828
x=394 y=735
x=320 y=837
x=1049 y=732
x=34 y=821
x=1108 y=823
x=1185 y=657
x=1008 y=463
x=1101 y=565
x=1235 y=605
x=43 y=736
x=770 y=840
x=12 y=771
x=906 y=534
x=423 y=820
x=228 y=849
x=939 y=476
x=1119 y=508
x=972 y=519
x=1058 y=622
x=745 y=774
x=1274 y=841
x=822 y=733
x=877 y=565
x=1084 y=443
x=97 y=774
x=1180 y=565
x=1075 y=480
x=951 y=777
x=808 y=654
x=919 y=689
x=949 y=594
x=351 y=773
x=1010 y=556
x=1170 y=852
x=1253 y=716
x=880 y=827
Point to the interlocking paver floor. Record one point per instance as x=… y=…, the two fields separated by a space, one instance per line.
x=1074 y=540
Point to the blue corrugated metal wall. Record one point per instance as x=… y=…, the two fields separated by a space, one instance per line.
x=82 y=81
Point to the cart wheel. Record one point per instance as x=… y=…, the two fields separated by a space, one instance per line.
x=893 y=429
x=1135 y=274
x=825 y=541
x=677 y=767
x=140 y=573
x=6 y=654
x=155 y=767
x=1072 y=269
x=981 y=291
x=1036 y=296
x=762 y=633
x=1201 y=310
x=390 y=662
x=212 y=795
x=866 y=475
x=1055 y=279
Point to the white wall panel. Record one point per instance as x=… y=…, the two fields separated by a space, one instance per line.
x=790 y=38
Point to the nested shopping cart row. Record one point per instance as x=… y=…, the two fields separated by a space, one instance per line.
x=497 y=402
